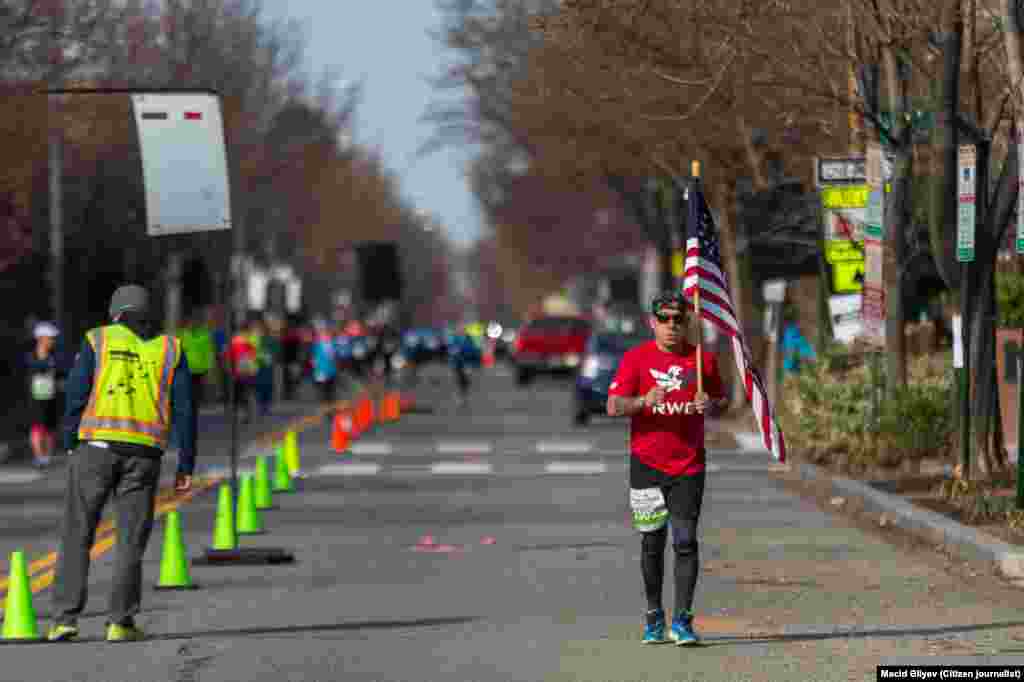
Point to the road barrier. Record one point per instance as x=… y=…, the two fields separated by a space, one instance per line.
x=248 y=520
x=263 y=496
x=224 y=536
x=174 y=573
x=19 y=614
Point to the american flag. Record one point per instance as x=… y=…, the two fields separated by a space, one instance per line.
x=703 y=267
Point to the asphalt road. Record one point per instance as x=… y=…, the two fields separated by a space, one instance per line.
x=490 y=543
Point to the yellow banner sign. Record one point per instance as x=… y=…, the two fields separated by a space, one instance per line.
x=845 y=196
x=847 y=278
x=678 y=260
x=843 y=251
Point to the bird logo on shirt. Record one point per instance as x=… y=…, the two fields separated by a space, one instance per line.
x=671 y=380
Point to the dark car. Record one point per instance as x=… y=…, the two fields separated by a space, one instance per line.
x=600 y=361
x=549 y=344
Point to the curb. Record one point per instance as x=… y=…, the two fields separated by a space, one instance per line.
x=957 y=539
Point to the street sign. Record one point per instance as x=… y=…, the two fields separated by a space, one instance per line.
x=874 y=226
x=847 y=322
x=848 y=277
x=873 y=165
x=844 y=224
x=848 y=196
x=184 y=162
x=843 y=251
x=967 y=160
x=873 y=305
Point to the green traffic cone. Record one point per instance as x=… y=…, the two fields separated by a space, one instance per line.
x=224 y=529
x=282 y=479
x=19 y=614
x=248 y=521
x=291 y=452
x=264 y=498
x=174 y=573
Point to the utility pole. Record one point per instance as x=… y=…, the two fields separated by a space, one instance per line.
x=56 y=168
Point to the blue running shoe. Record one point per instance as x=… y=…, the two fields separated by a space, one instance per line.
x=682 y=632
x=654 y=630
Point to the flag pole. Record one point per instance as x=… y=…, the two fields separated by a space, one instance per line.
x=695 y=171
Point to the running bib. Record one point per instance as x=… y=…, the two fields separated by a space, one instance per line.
x=44 y=386
x=649 y=510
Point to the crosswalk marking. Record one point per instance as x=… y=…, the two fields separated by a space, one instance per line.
x=20 y=476
x=563 y=447
x=461 y=468
x=349 y=469
x=463 y=448
x=575 y=468
x=372 y=448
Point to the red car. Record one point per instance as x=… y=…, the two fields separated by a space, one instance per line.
x=549 y=344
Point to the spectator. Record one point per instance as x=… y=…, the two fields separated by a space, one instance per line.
x=46 y=374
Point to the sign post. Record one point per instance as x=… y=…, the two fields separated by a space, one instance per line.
x=967 y=169
x=1020 y=356
x=185 y=173
x=873 y=302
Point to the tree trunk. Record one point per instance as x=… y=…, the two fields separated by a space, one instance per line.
x=942 y=216
x=896 y=218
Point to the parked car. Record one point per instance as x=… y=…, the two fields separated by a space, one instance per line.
x=600 y=362
x=549 y=344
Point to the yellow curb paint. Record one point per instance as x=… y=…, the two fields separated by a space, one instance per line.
x=106 y=535
x=104 y=543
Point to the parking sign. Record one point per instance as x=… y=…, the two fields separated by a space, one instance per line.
x=184 y=162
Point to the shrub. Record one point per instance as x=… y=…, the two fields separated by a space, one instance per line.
x=826 y=412
x=1010 y=299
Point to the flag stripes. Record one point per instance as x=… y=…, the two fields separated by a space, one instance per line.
x=703 y=268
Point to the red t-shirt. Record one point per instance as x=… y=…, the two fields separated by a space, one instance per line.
x=662 y=437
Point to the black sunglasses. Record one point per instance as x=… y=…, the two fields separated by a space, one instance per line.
x=666 y=319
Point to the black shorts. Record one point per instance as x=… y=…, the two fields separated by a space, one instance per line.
x=684 y=495
x=46 y=413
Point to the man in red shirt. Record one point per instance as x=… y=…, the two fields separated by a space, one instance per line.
x=656 y=386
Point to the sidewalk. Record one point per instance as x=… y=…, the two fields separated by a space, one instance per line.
x=858 y=498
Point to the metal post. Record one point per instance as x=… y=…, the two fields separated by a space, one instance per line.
x=876 y=389
x=965 y=375
x=232 y=325
x=56 y=167
x=1020 y=422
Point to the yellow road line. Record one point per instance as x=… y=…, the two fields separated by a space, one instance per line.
x=106 y=533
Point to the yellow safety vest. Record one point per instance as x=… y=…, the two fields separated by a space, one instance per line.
x=197 y=343
x=130 y=400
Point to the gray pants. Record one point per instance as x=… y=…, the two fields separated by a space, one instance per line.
x=93 y=475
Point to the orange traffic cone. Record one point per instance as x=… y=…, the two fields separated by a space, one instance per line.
x=340 y=432
x=387 y=408
x=357 y=418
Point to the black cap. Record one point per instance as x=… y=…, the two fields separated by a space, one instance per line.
x=668 y=298
x=129 y=297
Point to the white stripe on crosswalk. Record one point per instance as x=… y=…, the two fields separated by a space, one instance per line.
x=463 y=448
x=575 y=468
x=20 y=476
x=349 y=469
x=372 y=448
x=563 y=447
x=460 y=468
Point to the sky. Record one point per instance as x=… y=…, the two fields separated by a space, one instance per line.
x=385 y=43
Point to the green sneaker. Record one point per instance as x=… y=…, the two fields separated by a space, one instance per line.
x=124 y=633
x=62 y=633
